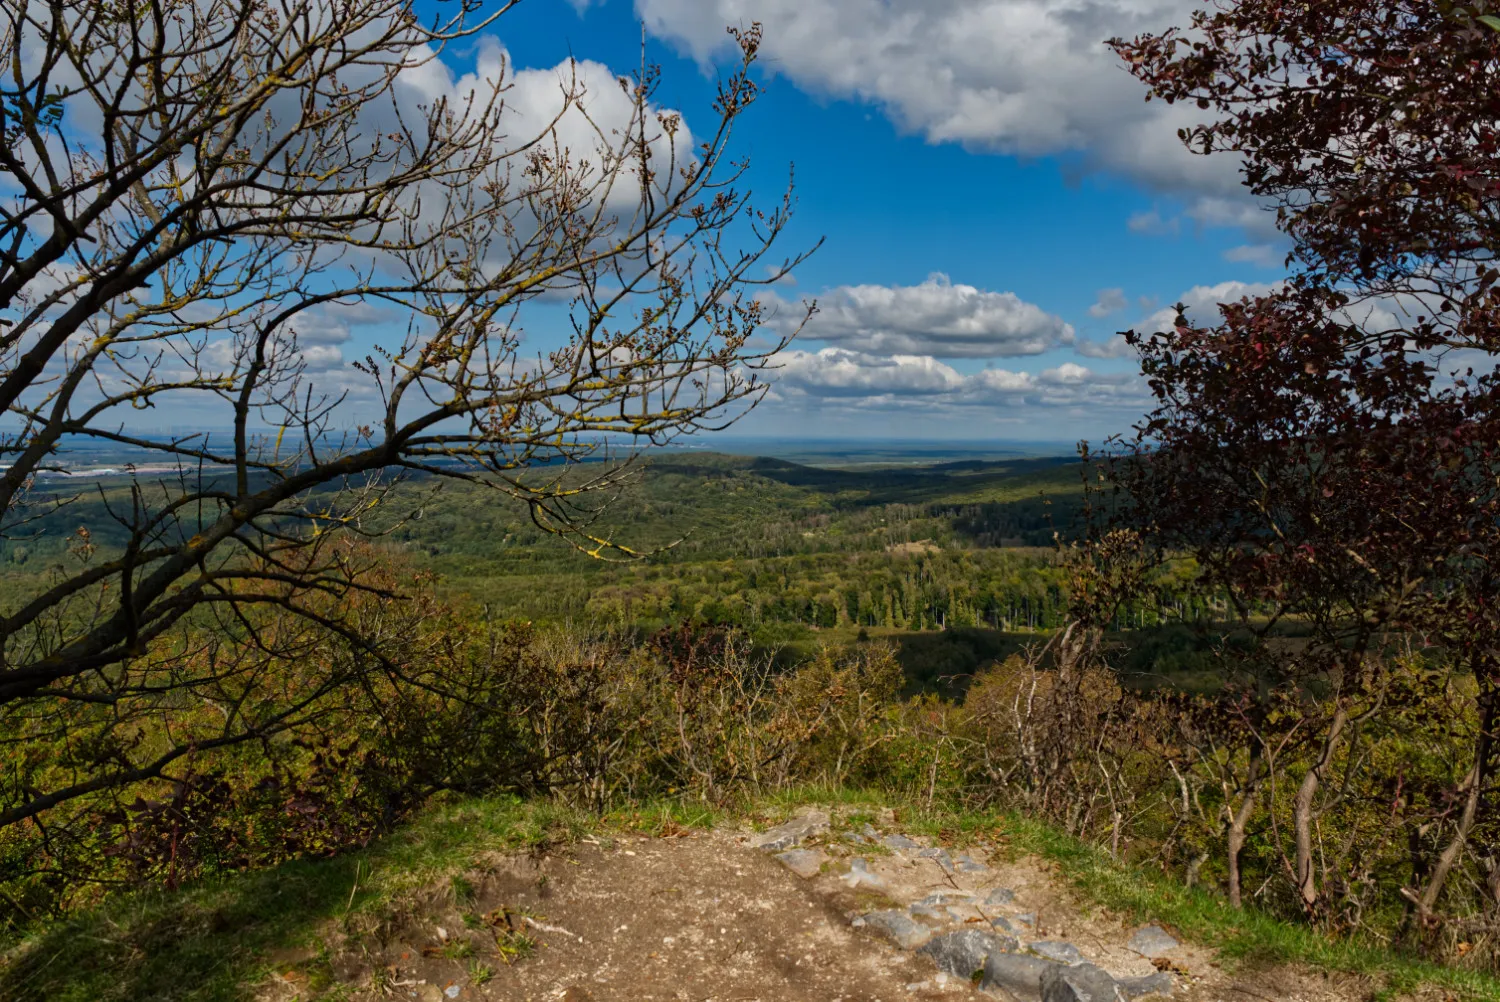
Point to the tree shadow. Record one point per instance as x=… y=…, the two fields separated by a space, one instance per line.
x=211 y=942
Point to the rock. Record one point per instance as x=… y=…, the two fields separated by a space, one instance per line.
x=1017 y=973
x=1160 y=983
x=792 y=833
x=1025 y=918
x=860 y=875
x=1152 y=941
x=968 y=864
x=938 y=856
x=1004 y=926
x=1063 y=953
x=942 y=898
x=805 y=863
x=899 y=843
x=576 y=994
x=999 y=896
x=1082 y=983
x=926 y=911
x=898 y=928
x=964 y=952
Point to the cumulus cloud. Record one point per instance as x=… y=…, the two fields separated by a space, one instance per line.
x=905 y=381
x=1152 y=223
x=1260 y=255
x=331 y=323
x=1020 y=77
x=1114 y=346
x=939 y=318
x=1108 y=301
x=1201 y=304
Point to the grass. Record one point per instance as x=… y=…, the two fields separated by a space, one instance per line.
x=217 y=941
x=1243 y=935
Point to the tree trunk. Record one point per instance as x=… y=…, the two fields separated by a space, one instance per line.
x=1238 y=821
x=1302 y=812
x=1474 y=783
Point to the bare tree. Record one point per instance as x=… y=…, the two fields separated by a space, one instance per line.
x=190 y=187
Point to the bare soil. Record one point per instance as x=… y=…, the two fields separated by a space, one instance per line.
x=704 y=916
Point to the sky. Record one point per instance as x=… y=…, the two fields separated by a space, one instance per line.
x=995 y=197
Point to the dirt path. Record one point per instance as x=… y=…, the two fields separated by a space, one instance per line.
x=857 y=916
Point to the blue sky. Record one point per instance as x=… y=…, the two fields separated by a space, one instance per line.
x=995 y=198
x=947 y=157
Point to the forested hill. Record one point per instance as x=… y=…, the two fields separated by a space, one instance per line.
x=789 y=551
x=757 y=541
x=715 y=506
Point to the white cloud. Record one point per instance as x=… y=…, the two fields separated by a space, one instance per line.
x=1020 y=77
x=1108 y=301
x=840 y=372
x=938 y=318
x=1113 y=346
x=1153 y=224
x=1202 y=304
x=1260 y=255
x=857 y=379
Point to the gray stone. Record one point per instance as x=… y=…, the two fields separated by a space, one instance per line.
x=1160 y=983
x=926 y=911
x=938 y=856
x=1152 y=941
x=942 y=898
x=1025 y=918
x=1004 y=926
x=860 y=875
x=897 y=927
x=1082 y=983
x=1063 y=953
x=804 y=863
x=1017 y=973
x=792 y=833
x=968 y=864
x=999 y=896
x=899 y=843
x=965 y=952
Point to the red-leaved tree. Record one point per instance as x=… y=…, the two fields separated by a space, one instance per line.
x=1331 y=451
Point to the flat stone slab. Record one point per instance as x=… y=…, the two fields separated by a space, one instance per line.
x=899 y=843
x=938 y=856
x=942 y=898
x=1017 y=973
x=860 y=875
x=1004 y=925
x=999 y=896
x=805 y=863
x=897 y=927
x=965 y=952
x=1152 y=941
x=1160 y=983
x=792 y=833
x=1081 y=983
x=965 y=863
x=1055 y=949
